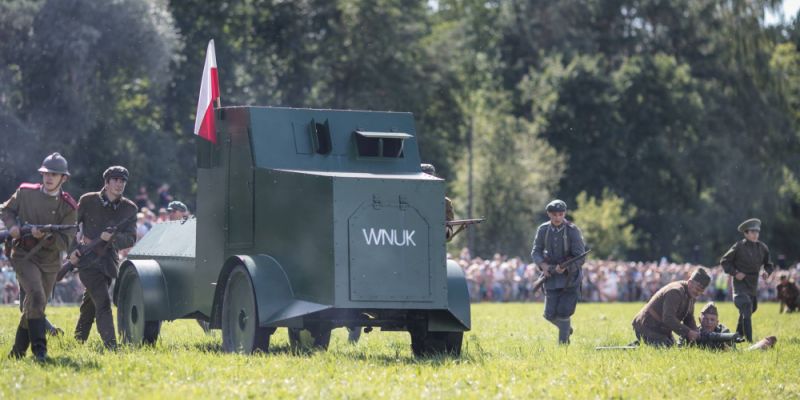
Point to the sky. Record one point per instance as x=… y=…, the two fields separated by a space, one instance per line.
x=790 y=8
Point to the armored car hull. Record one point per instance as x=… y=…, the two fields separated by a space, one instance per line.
x=309 y=220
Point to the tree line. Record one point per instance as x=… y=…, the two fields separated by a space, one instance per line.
x=663 y=124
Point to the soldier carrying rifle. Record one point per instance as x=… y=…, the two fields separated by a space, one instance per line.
x=103 y=216
x=557 y=241
x=713 y=334
x=35 y=257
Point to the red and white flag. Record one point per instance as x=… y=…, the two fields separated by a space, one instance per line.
x=209 y=91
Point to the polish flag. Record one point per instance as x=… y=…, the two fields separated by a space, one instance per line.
x=209 y=91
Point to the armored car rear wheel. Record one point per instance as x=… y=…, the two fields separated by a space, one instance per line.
x=426 y=344
x=309 y=339
x=133 y=327
x=240 y=330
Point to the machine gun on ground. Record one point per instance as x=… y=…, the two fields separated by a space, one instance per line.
x=539 y=282
x=97 y=246
x=718 y=339
x=462 y=224
x=25 y=235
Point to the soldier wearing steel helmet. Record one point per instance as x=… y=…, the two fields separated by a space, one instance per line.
x=36 y=257
x=744 y=261
x=97 y=211
x=557 y=241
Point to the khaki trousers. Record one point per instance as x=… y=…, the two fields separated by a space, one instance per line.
x=37 y=281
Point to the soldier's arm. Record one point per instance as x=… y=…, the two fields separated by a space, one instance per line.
x=727 y=260
x=126 y=236
x=768 y=266
x=10 y=210
x=537 y=253
x=689 y=320
x=669 y=313
x=576 y=247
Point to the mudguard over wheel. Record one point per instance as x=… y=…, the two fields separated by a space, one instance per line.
x=133 y=327
x=240 y=330
x=425 y=343
x=309 y=339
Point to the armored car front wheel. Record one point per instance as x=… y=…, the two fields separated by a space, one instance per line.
x=133 y=327
x=240 y=330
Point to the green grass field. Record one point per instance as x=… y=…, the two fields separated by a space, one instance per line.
x=510 y=353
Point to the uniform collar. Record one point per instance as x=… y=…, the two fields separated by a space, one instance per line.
x=557 y=228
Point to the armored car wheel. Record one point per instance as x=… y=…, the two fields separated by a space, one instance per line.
x=425 y=343
x=133 y=328
x=309 y=339
x=240 y=330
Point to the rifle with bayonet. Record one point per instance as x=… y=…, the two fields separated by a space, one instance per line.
x=546 y=274
x=26 y=235
x=97 y=246
x=461 y=224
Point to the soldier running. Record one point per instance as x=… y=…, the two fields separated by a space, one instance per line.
x=36 y=258
x=671 y=309
x=97 y=211
x=557 y=241
x=744 y=261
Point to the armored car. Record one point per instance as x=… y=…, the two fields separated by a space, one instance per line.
x=308 y=220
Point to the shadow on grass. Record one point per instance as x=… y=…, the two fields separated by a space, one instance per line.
x=75 y=364
x=386 y=359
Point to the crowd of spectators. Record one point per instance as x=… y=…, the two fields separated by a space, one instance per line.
x=499 y=279
x=503 y=279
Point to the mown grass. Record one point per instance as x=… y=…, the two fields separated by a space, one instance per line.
x=510 y=353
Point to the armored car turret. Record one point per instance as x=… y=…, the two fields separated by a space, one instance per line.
x=309 y=220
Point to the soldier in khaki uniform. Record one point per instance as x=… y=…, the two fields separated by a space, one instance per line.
x=671 y=309
x=744 y=261
x=97 y=211
x=36 y=258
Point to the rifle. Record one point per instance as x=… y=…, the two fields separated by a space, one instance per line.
x=539 y=282
x=97 y=246
x=462 y=224
x=25 y=235
x=26 y=229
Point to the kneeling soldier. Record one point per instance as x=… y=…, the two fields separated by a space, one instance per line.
x=36 y=258
x=671 y=309
x=97 y=211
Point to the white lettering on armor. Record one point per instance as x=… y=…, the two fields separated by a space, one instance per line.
x=389 y=237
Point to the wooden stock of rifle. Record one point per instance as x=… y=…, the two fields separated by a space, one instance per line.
x=97 y=246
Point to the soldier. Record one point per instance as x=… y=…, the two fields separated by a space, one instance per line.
x=449 y=214
x=97 y=211
x=709 y=324
x=177 y=211
x=744 y=261
x=557 y=241
x=671 y=309
x=787 y=294
x=36 y=258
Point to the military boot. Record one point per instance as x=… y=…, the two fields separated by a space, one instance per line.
x=747 y=327
x=564 y=330
x=83 y=327
x=21 y=343
x=38 y=336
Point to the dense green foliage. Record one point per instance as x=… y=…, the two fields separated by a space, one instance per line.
x=685 y=109
x=510 y=353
